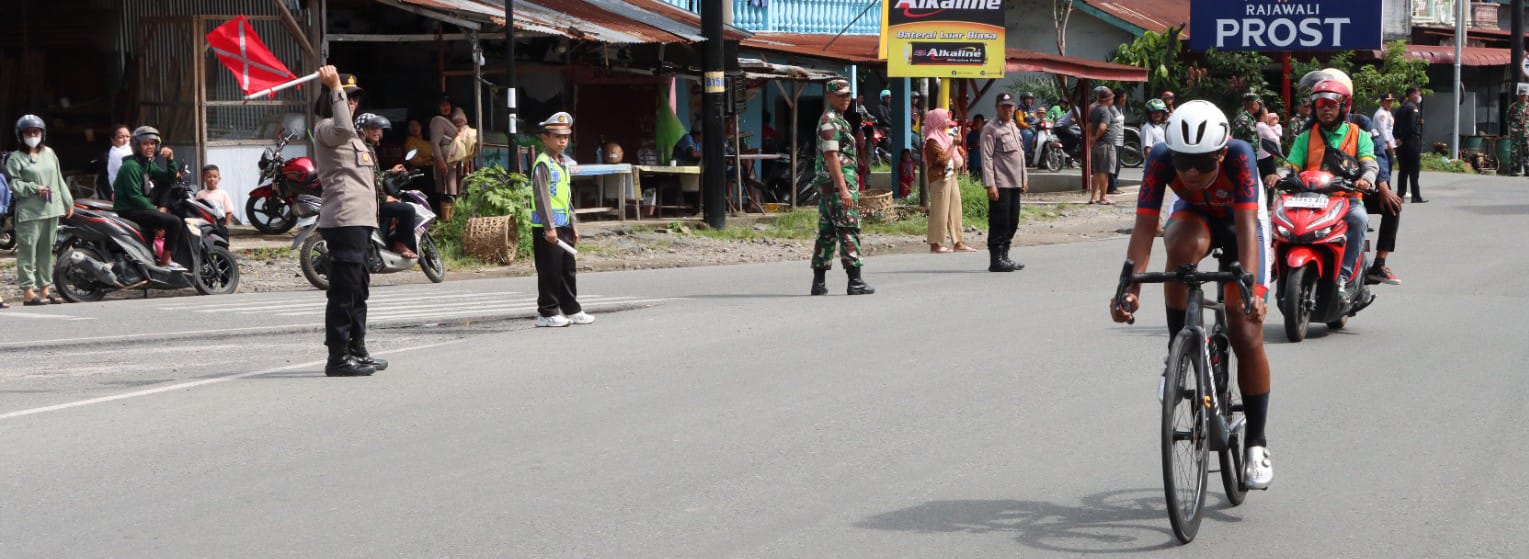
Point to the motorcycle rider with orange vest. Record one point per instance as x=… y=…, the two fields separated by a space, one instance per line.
x=1335 y=145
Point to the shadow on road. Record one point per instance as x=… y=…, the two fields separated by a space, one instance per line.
x=1125 y=521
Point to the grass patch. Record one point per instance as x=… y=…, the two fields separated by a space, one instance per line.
x=798 y=224
x=1437 y=163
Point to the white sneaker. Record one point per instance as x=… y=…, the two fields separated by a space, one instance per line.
x=581 y=317
x=1259 y=472
x=554 y=321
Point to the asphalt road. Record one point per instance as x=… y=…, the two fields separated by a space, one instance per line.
x=956 y=413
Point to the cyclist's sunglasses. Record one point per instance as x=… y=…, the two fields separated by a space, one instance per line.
x=1204 y=163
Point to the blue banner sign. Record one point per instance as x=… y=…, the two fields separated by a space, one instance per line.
x=1284 y=25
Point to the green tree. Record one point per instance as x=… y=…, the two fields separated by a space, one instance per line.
x=1158 y=53
x=1395 y=72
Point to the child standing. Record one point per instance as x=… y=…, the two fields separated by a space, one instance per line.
x=908 y=175
x=552 y=221
x=214 y=196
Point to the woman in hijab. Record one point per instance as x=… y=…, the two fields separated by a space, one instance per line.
x=944 y=158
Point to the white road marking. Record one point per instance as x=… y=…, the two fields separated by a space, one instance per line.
x=193 y=384
x=374 y=308
x=522 y=308
x=25 y=314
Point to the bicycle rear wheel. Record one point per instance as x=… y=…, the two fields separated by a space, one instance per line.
x=1185 y=437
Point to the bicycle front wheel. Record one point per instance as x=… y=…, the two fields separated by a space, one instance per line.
x=1186 y=439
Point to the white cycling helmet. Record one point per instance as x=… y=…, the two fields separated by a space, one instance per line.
x=1197 y=127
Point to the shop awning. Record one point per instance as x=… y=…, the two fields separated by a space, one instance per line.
x=1469 y=56
x=861 y=49
x=1020 y=60
x=756 y=69
x=602 y=21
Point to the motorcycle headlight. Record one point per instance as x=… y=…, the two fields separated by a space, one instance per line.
x=1283 y=231
x=1321 y=233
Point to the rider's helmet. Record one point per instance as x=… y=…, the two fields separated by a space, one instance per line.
x=145 y=134
x=1197 y=127
x=30 y=121
x=885 y=93
x=1337 y=92
x=1154 y=105
x=1027 y=95
x=369 y=120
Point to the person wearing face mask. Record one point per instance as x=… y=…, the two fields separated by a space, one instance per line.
x=1220 y=206
x=41 y=197
x=150 y=167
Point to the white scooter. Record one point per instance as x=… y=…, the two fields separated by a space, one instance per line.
x=380 y=259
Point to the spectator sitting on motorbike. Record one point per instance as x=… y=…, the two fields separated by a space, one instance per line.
x=1026 y=120
x=132 y=198
x=214 y=196
x=883 y=111
x=1061 y=108
x=395 y=219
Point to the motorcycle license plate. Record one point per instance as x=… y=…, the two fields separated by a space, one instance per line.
x=1306 y=202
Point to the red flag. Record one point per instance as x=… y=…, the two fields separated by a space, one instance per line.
x=242 y=51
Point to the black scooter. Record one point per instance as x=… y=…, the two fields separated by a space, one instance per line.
x=99 y=252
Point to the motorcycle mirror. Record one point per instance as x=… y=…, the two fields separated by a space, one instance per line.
x=410 y=155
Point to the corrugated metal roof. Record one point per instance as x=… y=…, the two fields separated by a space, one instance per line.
x=1469 y=56
x=605 y=21
x=1021 y=60
x=754 y=68
x=1151 y=15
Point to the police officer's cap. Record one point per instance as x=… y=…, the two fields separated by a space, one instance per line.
x=1387 y=97
x=348 y=83
x=560 y=124
x=1005 y=99
x=1250 y=96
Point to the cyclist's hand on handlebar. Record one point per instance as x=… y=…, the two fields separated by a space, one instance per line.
x=1270 y=180
x=1125 y=315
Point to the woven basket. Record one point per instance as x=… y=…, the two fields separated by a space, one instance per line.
x=493 y=239
x=876 y=203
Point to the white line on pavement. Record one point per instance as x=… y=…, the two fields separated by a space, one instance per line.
x=318 y=300
x=193 y=384
x=371 y=307
x=594 y=305
x=24 y=314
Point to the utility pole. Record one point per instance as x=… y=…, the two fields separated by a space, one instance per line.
x=714 y=86
x=509 y=51
x=1454 y=135
x=1516 y=42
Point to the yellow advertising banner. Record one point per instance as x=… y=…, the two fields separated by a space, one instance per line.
x=944 y=38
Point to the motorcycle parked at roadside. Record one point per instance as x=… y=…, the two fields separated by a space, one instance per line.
x=1047 y=152
x=99 y=252
x=1310 y=237
x=313 y=255
x=269 y=207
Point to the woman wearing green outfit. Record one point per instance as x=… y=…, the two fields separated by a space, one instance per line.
x=41 y=197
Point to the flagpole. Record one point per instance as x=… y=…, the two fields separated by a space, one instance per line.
x=262 y=93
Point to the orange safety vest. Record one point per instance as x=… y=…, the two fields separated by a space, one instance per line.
x=1316 y=148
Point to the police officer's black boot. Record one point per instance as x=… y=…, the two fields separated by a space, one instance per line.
x=995 y=260
x=857 y=286
x=358 y=351
x=1007 y=260
x=819 y=281
x=342 y=364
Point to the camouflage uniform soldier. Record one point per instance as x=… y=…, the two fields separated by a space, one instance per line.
x=838 y=190
x=1245 y=127
x=1518 y=128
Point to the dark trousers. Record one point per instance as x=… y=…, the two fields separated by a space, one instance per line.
x=1003 y=218
x=397 y=223
x=1115 y=176
x=1409 y=158
x=557 y=289
x=150 y=221
x=1389 y=223
x=349 y=285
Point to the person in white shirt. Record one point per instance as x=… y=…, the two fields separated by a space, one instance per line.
x=119 y=150
x=214 y=196
x=1385 y=123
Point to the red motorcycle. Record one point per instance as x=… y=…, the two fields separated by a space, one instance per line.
x=1309 y=242
x=282 y=180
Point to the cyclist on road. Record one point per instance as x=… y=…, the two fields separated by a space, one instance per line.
x=1219 y=206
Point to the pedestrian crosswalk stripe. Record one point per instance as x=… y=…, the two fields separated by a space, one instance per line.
x=318 y=298
x=374 y=308
x=524 y=307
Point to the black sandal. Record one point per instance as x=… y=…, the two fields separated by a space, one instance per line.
x=33 y=302
x=54 y=299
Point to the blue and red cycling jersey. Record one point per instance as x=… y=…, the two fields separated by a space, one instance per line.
x=1236 y=187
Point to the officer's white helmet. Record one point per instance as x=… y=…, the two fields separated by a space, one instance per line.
x=1197 y=127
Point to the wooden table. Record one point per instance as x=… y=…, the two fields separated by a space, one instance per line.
x=607 y=169
x=674 y=170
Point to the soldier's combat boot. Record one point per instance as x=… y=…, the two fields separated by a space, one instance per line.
x=358 y=351
x=995 y=260
x=342 y=364
x=857 y=286
x=1007 y=260
x=819 y=281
